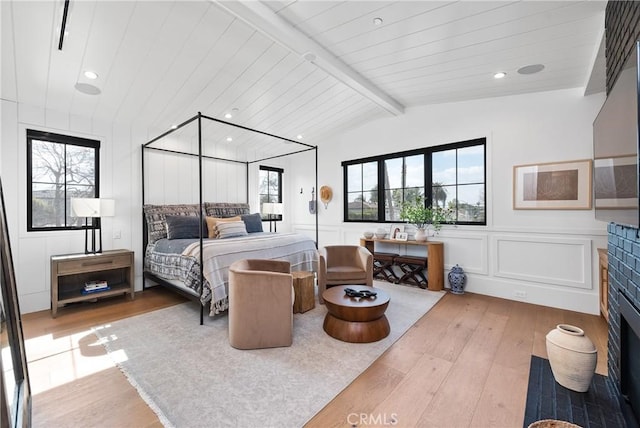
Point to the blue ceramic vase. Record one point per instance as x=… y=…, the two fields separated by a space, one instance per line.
x=457 y=279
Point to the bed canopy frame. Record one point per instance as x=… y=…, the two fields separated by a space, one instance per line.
x=251 y=147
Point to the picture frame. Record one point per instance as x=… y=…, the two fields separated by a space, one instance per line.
x=553 y=186
x=402 y=236
x=394 y=230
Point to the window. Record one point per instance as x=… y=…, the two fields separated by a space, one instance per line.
x=458 y=177
x=362 y=191
x=376 y=187
x=270 y=188
x=59 y=167
x=404 y=181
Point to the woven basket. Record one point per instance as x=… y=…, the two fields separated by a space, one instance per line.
x=552 y=423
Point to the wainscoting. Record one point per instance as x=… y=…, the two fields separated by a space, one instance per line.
x=546 y=267
x=537 y=259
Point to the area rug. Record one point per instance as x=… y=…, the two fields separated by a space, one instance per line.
x=191 y=377
x=547 y=399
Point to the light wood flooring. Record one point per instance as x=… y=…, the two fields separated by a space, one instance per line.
x=464 y=364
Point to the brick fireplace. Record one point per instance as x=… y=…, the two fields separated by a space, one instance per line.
x=622 y=29
x=624 y=319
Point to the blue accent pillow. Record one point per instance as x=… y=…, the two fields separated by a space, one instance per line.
x=253 y=222
x=184 y=226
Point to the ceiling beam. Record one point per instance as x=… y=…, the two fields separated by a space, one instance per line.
x=267 y=22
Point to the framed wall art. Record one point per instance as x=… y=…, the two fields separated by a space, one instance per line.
x=553 y=186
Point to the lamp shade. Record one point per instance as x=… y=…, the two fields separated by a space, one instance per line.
x=85 y=207
x=278 y=208
x=267 y=208
x=92 y=207
x=272 y=208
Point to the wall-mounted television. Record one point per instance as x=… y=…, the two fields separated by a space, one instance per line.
x=616 y=150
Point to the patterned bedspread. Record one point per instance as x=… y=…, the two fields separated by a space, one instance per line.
x=181 y=260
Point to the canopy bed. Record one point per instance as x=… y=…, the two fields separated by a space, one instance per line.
x=189 y=241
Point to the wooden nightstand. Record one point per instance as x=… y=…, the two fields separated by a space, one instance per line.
x=70 y=272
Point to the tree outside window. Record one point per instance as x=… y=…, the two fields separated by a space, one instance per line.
x=59 y=168
x=404 y=181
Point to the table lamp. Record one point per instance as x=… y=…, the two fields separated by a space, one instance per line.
x=271 y=209
x=92 y=208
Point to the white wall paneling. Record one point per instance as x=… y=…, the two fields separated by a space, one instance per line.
x=554 y=261
x=32 y=250
x=329 y=235
x=568 y=298
x=467 y=249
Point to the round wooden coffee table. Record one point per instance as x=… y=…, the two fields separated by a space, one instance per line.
x=353 y=319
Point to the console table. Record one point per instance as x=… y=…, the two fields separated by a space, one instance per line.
x=435 y=258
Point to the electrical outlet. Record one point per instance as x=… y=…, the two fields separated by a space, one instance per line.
x=521 y=294
x=117 y=234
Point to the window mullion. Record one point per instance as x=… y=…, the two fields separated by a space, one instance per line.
x=382 y=184
x=403 y=179
x=64 y=191
x=428 y=178
x=457 y=186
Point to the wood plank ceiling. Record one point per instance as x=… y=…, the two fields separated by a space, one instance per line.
x=160 y=62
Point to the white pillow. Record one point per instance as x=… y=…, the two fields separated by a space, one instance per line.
x=230 y=229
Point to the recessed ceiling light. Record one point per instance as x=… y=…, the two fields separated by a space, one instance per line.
x=531 y=69
x=229 y=139
x=90 y=74
x=377 y=21
x=228 y=115
x=299 y=137
x=174 y=126
x=499 y=75
x=86 y=88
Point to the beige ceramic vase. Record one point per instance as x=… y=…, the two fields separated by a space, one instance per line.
x=572 y=357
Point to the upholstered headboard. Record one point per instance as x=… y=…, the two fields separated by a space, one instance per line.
x=225 y=209
x=156 y=215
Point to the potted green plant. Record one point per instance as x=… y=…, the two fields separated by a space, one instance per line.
x=420 y=215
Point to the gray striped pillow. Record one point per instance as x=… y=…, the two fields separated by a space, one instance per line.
x=230 y=229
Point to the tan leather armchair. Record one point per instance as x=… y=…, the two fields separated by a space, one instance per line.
x=260 y=304
x=343 y=265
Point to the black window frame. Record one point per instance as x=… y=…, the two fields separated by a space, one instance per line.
x=427 y=152
x=33 y=134
x=280 y=171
